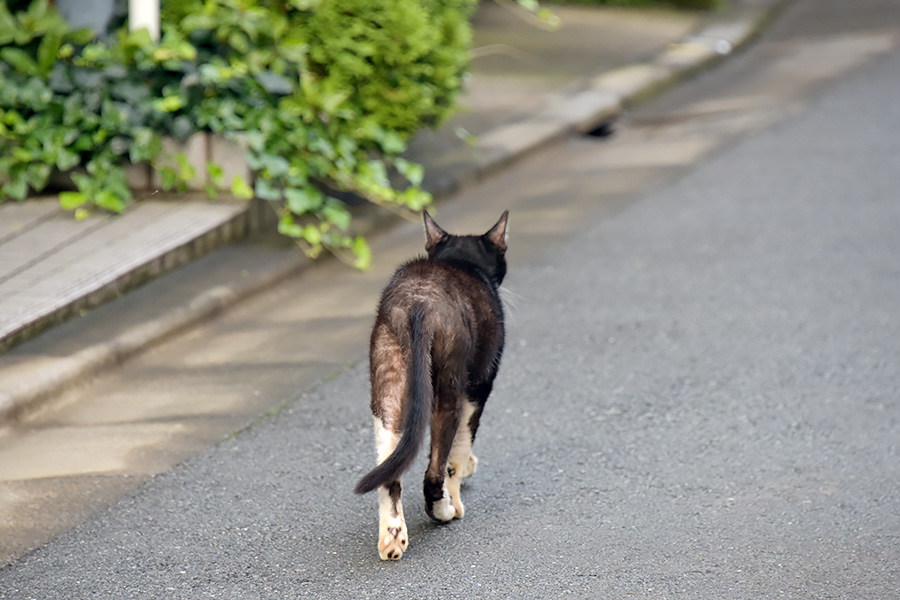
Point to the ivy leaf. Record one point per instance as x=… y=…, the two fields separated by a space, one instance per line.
x=168 y=103
x=392 y=143
x=363 y=254
x=312 y=235
x=274 y=83
x=413 y=172
x=19 y=60
x=336 y=214
x=66 y=159
x=287 y=226
x=8 y=25
x=198 y=21
x=17 y=189
x=82 y=181
x=87 y=79
x=215 y=173
x=240 y=189
x=47 y=52
x=303 y=200
x=132 y=92
x=266 y=191
x=274 y=165
x=110 y=201
x=332 y=100
x=71 y=200
x=415 y=198
x=80 y=36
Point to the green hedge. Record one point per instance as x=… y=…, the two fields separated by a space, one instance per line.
x=324 y=95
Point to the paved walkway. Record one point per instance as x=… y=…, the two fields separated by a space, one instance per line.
x=52 y=267
x=528 y=87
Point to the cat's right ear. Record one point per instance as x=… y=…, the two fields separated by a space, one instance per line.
x=433 y=233
x=498 y=232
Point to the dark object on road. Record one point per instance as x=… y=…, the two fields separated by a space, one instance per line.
x=434 y=353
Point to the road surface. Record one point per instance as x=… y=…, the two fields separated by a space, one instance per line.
x=700 y=396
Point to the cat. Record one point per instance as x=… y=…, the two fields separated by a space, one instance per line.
x=433 y=355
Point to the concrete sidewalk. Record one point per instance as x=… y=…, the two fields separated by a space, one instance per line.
x=528 y=88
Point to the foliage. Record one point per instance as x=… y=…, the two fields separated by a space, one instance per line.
x=323 y=95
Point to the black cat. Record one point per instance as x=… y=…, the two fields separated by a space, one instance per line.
x=434 y=353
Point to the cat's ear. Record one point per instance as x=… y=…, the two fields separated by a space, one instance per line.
x=433 y=233
x=497 y=234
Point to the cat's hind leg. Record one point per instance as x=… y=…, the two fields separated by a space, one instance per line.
x=461 y=463
x=392 y=534
x=445 y=423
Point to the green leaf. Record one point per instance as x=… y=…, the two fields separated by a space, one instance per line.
x=266 y=191
x=82 y=181
x=19 y=60
x=287 y=226
x=110 y=201
x=8 y=25
x=169 y=177
x=363 y=254
x=36 y=175
x=71 y=200
x=80 y=36
x=17 y=189
x=303 y=200
x=215 y=173
x=186 y=170
x=274 y=166
x=413 y=172
x=336 y=214
x=66 y=159
x=168 y=104
x=415 y=198
x=392 y=143
x=274 y=83
x=332 y=100
x=47 y=52
x=312 y=235
x=240 y=189
x=198 y=21
x=132 y=92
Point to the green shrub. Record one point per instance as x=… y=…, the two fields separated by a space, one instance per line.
x=323 y=94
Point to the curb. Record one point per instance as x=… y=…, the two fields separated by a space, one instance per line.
x=32 y=392
x=602 y=100
x=605 y=97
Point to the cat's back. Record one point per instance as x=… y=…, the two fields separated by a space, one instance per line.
x=435 y=284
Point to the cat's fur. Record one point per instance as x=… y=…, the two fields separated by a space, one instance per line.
x=434 y=353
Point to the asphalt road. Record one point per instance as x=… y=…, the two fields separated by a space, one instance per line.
x=700 y=396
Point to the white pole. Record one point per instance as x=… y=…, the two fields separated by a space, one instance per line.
x=144 y=14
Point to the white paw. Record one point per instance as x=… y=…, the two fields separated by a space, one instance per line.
x=393 y=542
x=471 y=466
x=443 y=509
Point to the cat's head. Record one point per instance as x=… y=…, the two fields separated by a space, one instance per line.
x=487 y=251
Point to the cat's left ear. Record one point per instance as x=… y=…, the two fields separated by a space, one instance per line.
x=498 y=234
x=433 y=233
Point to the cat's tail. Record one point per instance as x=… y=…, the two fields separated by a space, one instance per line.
x=417 y=405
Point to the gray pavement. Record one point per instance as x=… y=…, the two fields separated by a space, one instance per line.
x=699 y=398
x=528 y=88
